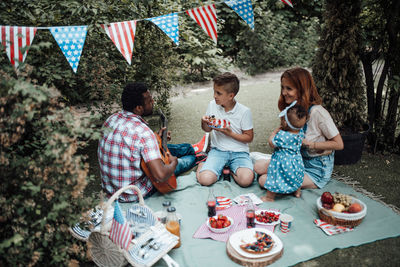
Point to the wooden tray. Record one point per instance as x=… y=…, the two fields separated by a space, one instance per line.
x=256 y=262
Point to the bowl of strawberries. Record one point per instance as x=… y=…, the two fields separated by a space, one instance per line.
x=219 y=223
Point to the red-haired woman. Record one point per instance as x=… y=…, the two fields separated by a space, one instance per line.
x=322 y=137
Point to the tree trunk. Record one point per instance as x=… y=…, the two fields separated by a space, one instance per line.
x=366 y=59
x=393 y=29
x=379 y=91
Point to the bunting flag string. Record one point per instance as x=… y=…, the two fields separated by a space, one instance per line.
x=287 y=2
x=123 y=36
x=169 y=24
x=206 y=17
x=15 y=39
x=71 y=40
x=244 y=9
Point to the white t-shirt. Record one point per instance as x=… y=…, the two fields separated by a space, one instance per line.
x=240 y=119
x=320 y=127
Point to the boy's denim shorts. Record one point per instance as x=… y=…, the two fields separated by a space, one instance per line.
x=217 y=159
x=319 y=169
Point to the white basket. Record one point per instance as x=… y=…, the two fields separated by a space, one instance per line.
x=340 y=218
x=106 y=253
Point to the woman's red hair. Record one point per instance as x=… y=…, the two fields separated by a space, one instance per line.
x=306 y=89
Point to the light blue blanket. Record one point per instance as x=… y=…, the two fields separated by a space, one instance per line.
x=305 y=240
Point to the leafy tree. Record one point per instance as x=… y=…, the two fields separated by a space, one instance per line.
x=336 y=68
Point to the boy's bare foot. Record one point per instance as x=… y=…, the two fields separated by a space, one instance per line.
x=297 y=193
x=267 y=199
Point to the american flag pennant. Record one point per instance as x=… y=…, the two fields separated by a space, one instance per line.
x=123 y=36
x=169 y=24
x=206 y=17
x=244 y=9
x=287 y=2
x=15 y=38
x=120 y=233
x=71 y=40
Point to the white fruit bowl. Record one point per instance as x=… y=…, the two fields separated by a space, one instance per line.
x=342 y=218
x=219 y=230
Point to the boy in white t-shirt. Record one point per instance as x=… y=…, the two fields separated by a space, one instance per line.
x=229 y=143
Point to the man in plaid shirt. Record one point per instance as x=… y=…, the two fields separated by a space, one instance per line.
x=126 y=140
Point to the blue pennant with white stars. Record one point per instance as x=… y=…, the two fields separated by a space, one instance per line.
x=168 y=24
x=244 y=9
x=71 y=40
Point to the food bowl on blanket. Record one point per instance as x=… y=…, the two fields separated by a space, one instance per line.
x=342 y=218
x=219 y=223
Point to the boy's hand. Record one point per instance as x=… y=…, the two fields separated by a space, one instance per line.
x=205 y=119
x=226 y=131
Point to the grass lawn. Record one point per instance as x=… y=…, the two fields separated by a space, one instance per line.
x=379 y=174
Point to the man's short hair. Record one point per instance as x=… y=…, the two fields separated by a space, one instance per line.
x=132 y=95
x=230 y=80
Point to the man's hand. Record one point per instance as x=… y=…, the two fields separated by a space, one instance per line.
x=160 y=132
x=172 y=159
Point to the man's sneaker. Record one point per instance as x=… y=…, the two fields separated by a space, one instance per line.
x=202 y=145
x=201 y=157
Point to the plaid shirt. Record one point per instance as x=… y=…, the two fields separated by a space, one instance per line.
x=126 y=139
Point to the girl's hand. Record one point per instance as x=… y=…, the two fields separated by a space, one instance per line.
x=307 y=144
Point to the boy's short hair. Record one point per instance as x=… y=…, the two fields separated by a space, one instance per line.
x=230 y=79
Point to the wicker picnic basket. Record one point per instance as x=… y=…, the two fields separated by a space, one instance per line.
x=105 y=252
x=340 y=218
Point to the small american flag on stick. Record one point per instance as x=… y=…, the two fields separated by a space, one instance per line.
x=120 y=232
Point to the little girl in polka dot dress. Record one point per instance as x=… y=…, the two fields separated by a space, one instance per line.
x=286 y=170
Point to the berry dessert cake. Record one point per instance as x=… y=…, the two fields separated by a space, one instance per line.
x=263 y=244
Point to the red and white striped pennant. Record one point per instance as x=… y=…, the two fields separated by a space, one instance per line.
x=287 y=2
x=123 y=35
x=14 y=38
x=206 y=17
x=120 y=232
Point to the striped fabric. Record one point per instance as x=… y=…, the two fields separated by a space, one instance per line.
x=237 y=213
x=123 y=35
x=330 y=229
x=206 y=17
x=120 y=232
x=15 y=38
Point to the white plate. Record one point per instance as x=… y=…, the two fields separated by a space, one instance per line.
x=248 y=236
x=262 y=223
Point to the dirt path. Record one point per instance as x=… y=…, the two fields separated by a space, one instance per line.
x=191 y=89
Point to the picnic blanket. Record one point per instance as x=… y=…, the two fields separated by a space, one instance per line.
x=305 y=240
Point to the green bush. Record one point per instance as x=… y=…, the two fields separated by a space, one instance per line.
x=42 y=175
